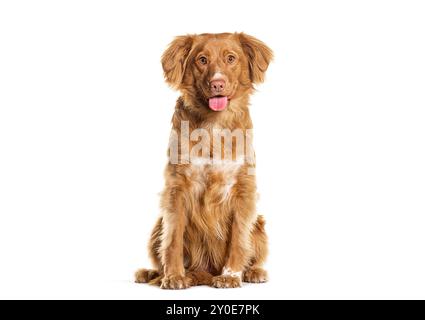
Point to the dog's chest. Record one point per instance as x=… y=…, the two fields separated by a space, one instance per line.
x=213 y=179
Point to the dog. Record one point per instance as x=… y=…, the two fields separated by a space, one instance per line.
x=209 y=232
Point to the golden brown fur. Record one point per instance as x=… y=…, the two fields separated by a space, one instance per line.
x=209 y=231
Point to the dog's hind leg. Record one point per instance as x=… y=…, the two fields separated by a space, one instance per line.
x=150 y=275
x=145 y=275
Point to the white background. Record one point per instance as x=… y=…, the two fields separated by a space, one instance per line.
x=339 y=135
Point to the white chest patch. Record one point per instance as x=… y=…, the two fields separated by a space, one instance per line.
x=200 y=168
x=220 y=164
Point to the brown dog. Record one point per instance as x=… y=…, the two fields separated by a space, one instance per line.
x=209 y=231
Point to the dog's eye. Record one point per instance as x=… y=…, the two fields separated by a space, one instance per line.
x=203 y=60
x=231 y=58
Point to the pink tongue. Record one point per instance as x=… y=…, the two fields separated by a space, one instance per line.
x=218 y=103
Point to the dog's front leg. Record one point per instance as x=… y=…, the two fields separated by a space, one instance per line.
x=239 y=248
x=174 y=223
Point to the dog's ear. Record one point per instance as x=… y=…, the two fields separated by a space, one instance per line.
x=174 y=59
x=259 y=56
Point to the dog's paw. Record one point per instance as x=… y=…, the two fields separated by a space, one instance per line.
x=226 y=281
x=145 y=275
x=255 y=275
x=176 y=282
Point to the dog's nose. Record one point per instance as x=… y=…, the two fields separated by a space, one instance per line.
x=217 y=86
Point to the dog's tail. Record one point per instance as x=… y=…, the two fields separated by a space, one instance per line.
x=199 y=278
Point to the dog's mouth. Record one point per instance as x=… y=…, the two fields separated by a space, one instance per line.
x=218 y=103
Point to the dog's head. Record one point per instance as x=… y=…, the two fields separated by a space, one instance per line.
x=211 y=70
